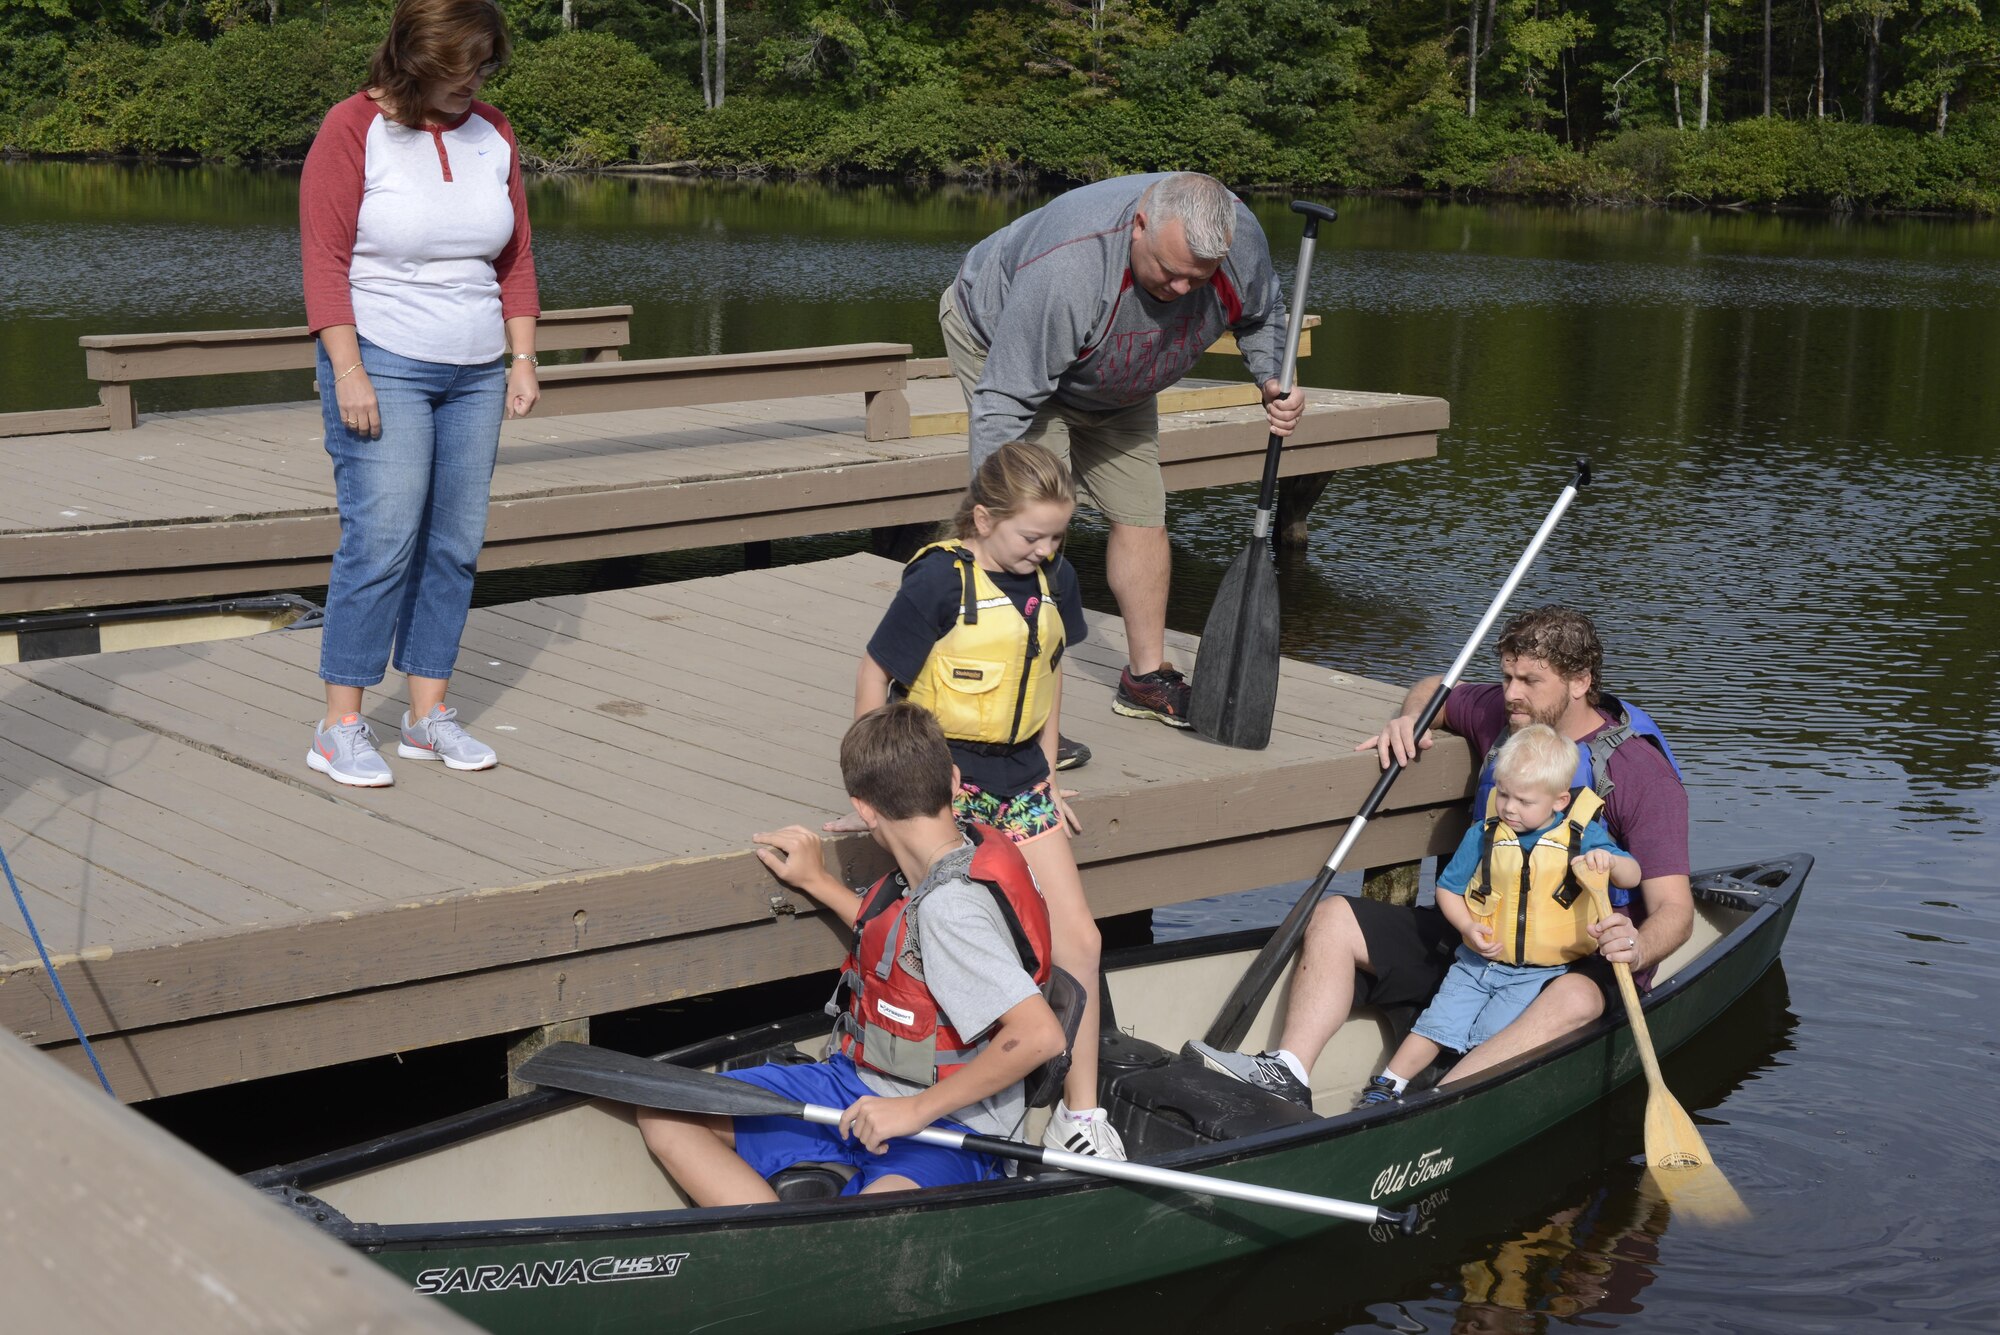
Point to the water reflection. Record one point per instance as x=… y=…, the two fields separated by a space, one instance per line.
x=1595 y=1256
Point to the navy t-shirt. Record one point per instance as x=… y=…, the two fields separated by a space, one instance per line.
x=927 y=607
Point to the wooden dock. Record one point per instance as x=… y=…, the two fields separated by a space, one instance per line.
x=220 y=913
x=113 y=1226
x=228 y=501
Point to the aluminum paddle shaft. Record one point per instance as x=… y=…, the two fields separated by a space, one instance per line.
x=1232 y=1022
x=604 y=1074
x=1143 y=1174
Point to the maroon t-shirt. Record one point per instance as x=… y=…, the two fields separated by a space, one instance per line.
x=1648 y=810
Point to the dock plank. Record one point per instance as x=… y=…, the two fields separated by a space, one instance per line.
x=241 y=500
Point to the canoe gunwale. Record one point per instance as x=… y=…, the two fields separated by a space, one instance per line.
x=293 y=1183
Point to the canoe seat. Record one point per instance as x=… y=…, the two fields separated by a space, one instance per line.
x=810 y=1181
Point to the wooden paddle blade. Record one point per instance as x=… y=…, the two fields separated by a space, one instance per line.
x=604 y=1074
x=1236 y=674
x=1701 y=1194
x=1686 y=1172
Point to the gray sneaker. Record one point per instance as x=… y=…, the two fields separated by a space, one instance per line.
x=346 y=754
x=1265 y=1070
x=437 y=736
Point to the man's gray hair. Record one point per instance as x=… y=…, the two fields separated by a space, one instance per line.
x=1206 y=209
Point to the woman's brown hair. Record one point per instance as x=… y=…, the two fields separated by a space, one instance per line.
x=432 y=42
x=1013 y=477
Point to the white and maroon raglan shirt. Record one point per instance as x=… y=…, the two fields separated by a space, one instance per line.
x=417 y=237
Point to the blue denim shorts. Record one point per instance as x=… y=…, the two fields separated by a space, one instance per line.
x=1479 y=998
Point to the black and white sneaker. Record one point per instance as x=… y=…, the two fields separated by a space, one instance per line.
x=1088 y=1132
x=1266 y=1070
x=1069 y=754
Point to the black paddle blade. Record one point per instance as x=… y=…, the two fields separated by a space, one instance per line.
x=604 y=1074
x=1236 y=674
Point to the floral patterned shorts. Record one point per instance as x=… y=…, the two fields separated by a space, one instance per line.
x=1022 y=817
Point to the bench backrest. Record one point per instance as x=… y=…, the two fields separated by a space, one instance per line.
x=115 y=361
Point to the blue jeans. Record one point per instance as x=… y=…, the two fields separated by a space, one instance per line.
x=1479 y=998
x=412 y=514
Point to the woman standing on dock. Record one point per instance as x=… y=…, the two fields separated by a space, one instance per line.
x=420 y=283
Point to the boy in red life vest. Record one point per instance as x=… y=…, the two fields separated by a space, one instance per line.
x=950 y=1007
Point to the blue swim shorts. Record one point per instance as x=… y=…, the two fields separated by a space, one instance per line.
x=769 y=1144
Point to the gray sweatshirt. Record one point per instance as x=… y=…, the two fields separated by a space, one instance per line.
x=1051 y=297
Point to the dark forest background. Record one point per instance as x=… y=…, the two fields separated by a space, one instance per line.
x=1833 y=103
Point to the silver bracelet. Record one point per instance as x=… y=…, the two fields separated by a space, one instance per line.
x=527 y=357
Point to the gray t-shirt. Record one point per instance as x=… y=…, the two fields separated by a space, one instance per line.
x=1050 y=297
x=965 y=955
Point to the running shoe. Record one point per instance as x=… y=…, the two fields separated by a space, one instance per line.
x=438 y=736
x=1380 y=1090
x=346 y=754
x=1162 y=694
x=1266 y=1070
x=1071 y=755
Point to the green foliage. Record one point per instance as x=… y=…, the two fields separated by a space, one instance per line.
x=585 y=93
x=270 y=87
x=1576 y=97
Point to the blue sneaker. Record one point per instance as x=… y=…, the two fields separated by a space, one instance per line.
x=1380 y=1090
x=346 y=754
x=437 y=736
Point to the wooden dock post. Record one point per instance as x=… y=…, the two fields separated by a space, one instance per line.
x=1296 y=498
x=532 y=1042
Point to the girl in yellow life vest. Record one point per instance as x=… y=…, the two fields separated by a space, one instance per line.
x=976 y=635
x=1510 y=891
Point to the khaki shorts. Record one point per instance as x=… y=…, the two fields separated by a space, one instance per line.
x=1114 y=456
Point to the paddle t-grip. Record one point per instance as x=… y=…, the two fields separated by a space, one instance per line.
x=1315 y=214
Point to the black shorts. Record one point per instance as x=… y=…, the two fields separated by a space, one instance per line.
x=1410 y=950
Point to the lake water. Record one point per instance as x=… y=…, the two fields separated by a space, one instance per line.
x=1790 y=550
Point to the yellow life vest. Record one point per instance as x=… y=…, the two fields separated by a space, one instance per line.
x=1534 y=906
x=991 y=678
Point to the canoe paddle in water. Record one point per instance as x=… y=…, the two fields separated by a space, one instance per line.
x=1232 y=1022
x=1236 y=673
x=1676 y=1156
x=604 y=1074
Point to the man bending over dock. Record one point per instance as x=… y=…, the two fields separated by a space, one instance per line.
x=1065 y=325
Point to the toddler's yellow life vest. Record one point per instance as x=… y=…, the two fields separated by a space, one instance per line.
x=991 y=678
x=1534 y=906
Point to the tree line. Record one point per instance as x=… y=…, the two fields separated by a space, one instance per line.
x=1848 y=103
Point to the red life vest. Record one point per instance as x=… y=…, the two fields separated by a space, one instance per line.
x=885 y=1016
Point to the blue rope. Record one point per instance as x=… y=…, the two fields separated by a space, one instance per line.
x=50 y=970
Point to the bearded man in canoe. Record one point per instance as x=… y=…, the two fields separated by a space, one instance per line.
x=1394 y=957
x=1064 y=326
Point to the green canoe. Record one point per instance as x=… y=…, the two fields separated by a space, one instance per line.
x=545 y=1214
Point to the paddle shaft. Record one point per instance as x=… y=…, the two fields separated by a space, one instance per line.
x=1267 y=494
x=1142 y=1174
x=1635 y=1013
x=602 y=1073
x=1232 y=1021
